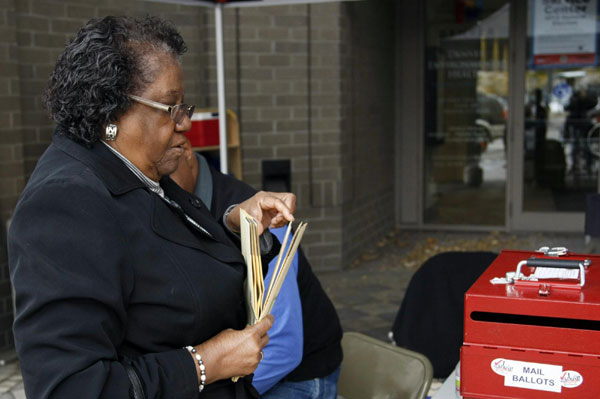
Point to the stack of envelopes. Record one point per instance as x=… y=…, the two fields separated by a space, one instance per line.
x=258 y=302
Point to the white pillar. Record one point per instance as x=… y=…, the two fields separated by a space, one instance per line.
x=221 y=87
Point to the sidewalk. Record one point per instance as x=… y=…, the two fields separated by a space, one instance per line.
x=11 y=382
x=368 y=293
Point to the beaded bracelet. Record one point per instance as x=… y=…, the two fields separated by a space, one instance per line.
x=198 y=358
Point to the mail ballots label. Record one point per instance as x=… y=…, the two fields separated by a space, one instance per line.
x=538 y=376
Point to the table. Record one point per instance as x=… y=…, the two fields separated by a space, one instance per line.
x=448 y=389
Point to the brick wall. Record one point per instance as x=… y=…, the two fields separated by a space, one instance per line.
x=11 y=152
x=368 y=124
x=326 y=252
x=283 y=72
x=314 y=84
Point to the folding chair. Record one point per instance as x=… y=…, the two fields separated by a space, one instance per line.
x=373 y=369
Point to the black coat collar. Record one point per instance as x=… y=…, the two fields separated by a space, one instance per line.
x=106 y=165
x=165 y=222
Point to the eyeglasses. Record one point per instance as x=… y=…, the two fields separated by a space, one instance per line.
x=177 y=111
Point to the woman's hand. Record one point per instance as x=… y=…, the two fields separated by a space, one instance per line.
x=233 y=353
x=268 y=208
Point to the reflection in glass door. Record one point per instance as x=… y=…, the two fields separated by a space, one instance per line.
x=561 y=109
x=466 y=91
x=555 y=168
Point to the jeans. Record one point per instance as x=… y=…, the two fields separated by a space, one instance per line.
x=317 y=388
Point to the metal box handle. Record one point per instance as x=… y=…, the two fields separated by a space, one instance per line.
x=555 y=263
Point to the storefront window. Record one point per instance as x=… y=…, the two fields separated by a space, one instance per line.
x=562 y=108
x=466 y=86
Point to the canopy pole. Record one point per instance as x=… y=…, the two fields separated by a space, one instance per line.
x=221 y=87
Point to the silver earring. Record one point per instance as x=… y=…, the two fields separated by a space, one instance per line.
x=111 y=132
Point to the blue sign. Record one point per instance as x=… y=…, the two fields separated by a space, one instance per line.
x=562 y=91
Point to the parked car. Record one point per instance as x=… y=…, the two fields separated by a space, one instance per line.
x=490 y=120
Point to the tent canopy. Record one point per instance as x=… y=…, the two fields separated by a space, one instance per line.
x=243 y=3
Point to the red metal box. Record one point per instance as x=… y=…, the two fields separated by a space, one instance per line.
x=533 y=339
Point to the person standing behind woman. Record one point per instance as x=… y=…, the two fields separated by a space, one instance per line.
x=303 y=356
x=126 y=285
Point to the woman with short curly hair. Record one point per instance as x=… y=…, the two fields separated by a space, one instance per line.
x=126 y=285
x=107 y=60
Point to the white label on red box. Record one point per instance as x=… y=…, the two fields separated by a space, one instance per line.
x=548 y=272
x=538 y=376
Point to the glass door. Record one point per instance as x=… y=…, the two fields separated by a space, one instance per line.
x=556 y=165
x=466 y=109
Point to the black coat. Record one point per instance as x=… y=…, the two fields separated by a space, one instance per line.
x=430 y=319
x=106 y=273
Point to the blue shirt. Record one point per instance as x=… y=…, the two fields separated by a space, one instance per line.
x=283 y=353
